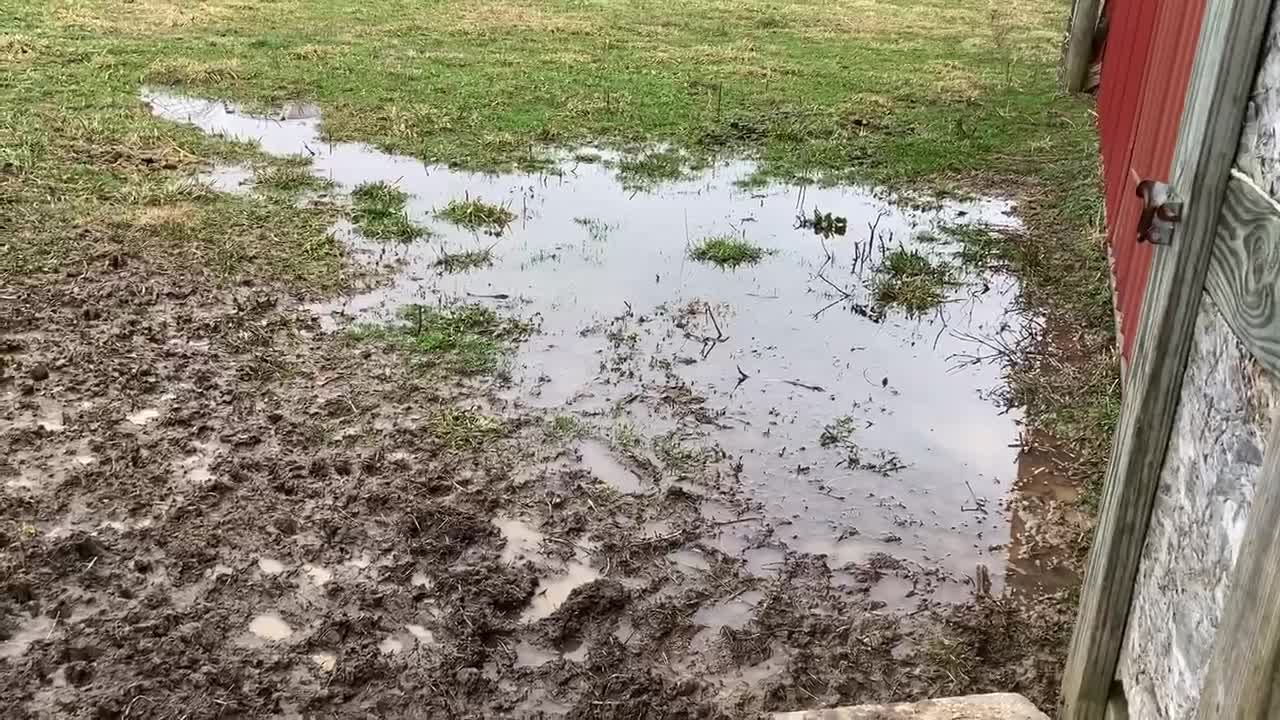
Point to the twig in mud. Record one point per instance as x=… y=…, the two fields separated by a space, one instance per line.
x=742 y=377
x=129 y=708
x=875 y=224
x=570 y=543
x=827 y=251
x=845 y=293
x=720 y=336
x=998 y=347
x=979 y=504
x=659 y=539
x=722 y=523
x=806 y=386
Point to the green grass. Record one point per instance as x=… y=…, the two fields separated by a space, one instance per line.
x=645 y=170
x=909 y=280
x=462 y=261
x=565 y=428
x=727 y=251
x=289 y=177
x=464 y=339
x=476 y=214
x=380 y=215
x=837 y=432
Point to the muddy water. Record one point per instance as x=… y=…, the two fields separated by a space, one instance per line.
x=634 y=335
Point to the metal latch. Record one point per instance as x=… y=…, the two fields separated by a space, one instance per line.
x=1161 y=210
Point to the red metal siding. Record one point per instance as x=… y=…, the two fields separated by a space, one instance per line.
x=1146 y=67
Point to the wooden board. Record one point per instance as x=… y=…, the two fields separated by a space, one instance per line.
x=1225 y=66
x=1244 y=272
x=1244 y=670
x=1079 y=51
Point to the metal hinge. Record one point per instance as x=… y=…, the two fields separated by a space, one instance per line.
x=1161 y=210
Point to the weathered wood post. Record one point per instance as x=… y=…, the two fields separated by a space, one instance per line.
x=1079 y=50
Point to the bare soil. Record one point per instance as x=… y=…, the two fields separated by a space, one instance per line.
x=213 y=509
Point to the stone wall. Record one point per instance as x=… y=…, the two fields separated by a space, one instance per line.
x=1206 y=486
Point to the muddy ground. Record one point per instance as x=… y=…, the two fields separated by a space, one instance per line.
x=214 y=506
x=206 y=448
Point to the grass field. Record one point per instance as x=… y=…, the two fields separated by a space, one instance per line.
x=911 y=95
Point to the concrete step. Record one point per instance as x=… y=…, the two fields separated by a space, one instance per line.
x=996 y=706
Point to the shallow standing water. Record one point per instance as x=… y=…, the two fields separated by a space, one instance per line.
x=633 y=334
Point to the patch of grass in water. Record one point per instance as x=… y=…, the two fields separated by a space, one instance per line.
x=650 y=169
x=452 y=262
x=289 y=178
x=677 y=457
x=466 y=339
x=909 y=280
x=563 y=428
x=476 y=214
x=460 y=429
x=728 y=251
x=379 y=213
x=981 y=247
x=379 y=194
x=837 y=432
x=598 y=229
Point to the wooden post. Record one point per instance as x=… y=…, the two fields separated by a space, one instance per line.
x=1245 y=669
x=1079 y=52
x=1225 y=67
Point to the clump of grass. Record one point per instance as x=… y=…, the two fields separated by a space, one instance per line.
x=379 y=194
x=649 y=169
x=380 y=214
x=466 y=339
x=288 y=178
x=824 y=224
x=909 y=280
x=312 y=52
x=452 y=262
x=727 y=251
x=837 y=432
x=476 y=214
x=186 y=71
x=677 y=457
x=980 y=246
x=563 y=428
x=460 y=429
x=598 y=229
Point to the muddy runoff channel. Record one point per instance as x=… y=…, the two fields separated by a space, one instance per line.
x=730 y=489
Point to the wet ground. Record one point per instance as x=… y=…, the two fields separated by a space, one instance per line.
x=714 y=490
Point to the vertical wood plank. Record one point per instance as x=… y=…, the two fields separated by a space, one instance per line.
x=1225 y=66
x=1079 y=52
x=1241 y=683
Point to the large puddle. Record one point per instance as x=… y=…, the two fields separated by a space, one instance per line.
x=638 y=339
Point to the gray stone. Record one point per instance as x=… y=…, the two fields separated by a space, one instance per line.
x=1197 y=523
x=997 y=706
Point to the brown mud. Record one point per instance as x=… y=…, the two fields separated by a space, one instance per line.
x=216 y=503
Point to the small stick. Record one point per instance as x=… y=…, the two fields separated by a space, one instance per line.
x=720 y=336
